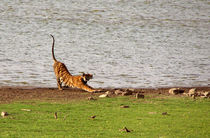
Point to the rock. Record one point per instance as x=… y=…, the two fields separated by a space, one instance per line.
x=104 y=95
x=138 y=96
x=3 y=114
x=185 y=94
x=152 y=113
x=55 y=115
x=28 y=110
x=164 y=113
x=192 y=92
x=109 y=93
x=127 y=93
x=171 y=91
x=124 y=106
x=125 y=129
x=118 y=92
x=176 y=91
x=203 y=96
x=94 y=116
x=90 y=98
x=132 y=90
x=207 y=94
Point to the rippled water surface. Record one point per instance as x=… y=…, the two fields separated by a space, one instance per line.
x=124 y=43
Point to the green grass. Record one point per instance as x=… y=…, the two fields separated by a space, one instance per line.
x=186 y=118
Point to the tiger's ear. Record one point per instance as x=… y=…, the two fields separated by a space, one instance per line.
x=83 y=74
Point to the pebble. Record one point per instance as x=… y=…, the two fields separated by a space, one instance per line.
x=175 y=91
x=104 y=95
x=90 y=98
x=192 y=92
x=138 y=96
x=124 y=106
x=118 y=92
x=3 y=114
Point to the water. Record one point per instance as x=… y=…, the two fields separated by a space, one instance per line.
x=139 y=43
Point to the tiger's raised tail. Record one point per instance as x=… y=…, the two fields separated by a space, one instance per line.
x=53 y=55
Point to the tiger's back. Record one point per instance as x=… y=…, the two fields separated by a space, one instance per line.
x=61 y=70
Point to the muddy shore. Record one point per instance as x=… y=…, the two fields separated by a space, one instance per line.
x=12 y=94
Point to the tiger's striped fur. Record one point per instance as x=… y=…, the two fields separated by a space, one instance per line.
x=64 y=76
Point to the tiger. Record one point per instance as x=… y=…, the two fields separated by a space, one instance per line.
x=64 y=76
x=85 y=77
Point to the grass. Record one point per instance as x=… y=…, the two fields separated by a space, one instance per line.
x=185 y=118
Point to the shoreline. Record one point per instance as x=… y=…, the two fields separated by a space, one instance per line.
x=167 y=87
x=10 y=94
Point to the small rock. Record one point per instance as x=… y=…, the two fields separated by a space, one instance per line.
x=207 y=94
x=132 y=90
x=185 y=94
x=152 y=113
x=118 y=92
x=109 y=93
x=164 y=113
x=192 y=92
x=175 y=91
x=55 y=115
x=104 y=95
x=3 y=114
x=138 y=96
x=90 y=98
x=201 y=93
x=129 y=90
x=124 y=106
x=126 y=93
x=28 y=110
x=203 y=96
x=171 y=91
x=125 y=129
x=93 y=116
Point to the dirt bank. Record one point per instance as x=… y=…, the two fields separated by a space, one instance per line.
x=11 y=94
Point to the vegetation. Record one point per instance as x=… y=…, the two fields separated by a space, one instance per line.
x=149 y=117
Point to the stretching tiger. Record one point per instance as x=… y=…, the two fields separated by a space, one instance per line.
x=64 y=76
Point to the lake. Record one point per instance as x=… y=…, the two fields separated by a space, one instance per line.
x=123 y=43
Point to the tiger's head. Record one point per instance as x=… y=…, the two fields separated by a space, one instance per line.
x=86 y=77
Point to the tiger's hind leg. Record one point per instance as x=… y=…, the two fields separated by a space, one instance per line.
x=59 y=83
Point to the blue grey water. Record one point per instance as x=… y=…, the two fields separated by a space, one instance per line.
x=124 y=43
